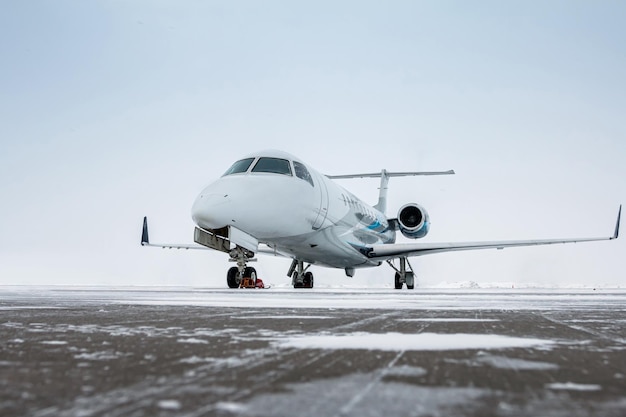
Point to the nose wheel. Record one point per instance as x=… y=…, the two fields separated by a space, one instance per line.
x=235 y=279
x=241 y=276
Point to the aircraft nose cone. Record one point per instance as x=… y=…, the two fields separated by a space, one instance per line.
x=209 y=211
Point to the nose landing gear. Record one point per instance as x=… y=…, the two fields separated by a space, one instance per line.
x=241 y=276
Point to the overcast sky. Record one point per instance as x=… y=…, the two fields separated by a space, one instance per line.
x=112 y=110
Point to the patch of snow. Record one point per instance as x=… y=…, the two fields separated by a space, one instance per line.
x=99 y=356
x=213 y=333
x=230 y=407
x=411 y=342
x=169 y=404
x=193 y=340
x=450 y=319
x=54 y=342
x=572 y=386
x=283 y=317
x=196 y=359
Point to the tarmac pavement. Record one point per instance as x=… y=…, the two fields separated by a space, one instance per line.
x=202 y=352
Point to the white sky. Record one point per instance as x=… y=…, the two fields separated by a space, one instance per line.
x=113 y=110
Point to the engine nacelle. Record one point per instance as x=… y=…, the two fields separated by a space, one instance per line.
x=413 y=221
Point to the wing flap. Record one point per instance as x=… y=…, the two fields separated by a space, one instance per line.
x=420 y=249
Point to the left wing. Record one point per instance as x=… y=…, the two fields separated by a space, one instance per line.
x=145 y=241
x=384 y=252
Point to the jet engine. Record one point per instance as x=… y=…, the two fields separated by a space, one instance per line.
x=413 y=221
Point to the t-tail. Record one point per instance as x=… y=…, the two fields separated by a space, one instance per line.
x=384 y=182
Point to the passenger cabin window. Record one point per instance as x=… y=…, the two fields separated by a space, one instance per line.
x=239 y=167
x=302 y=172
x=273 y=165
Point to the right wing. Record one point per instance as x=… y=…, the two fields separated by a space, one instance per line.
x=390 y=251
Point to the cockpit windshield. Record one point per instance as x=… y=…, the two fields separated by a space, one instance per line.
x=302 y=172
x=239 y=167
x=273 y=165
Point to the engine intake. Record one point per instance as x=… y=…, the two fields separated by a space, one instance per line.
x=413 y=221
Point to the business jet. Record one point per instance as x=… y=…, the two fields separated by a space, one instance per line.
x=273 y=203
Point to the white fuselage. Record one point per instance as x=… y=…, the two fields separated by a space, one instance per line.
x=314 y=220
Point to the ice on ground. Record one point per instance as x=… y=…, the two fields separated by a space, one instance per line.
x=406 y=371
x=503 y=362
x=54 y=342
x=572 y=386
x=400 y=341
x=344 y=396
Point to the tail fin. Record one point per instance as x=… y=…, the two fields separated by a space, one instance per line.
x=384 y=181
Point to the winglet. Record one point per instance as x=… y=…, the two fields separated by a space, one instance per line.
x=619 y=216
x=144 y=233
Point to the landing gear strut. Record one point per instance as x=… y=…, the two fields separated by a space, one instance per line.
x=403 y=274
x=300 y=277
x=241 y=276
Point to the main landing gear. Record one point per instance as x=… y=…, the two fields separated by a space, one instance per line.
x=242 y=276
x=300 y=277
x=403 y=275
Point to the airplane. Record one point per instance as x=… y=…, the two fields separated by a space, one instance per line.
x=271 y=202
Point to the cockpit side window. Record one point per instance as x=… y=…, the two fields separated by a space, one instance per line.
x=302 y=172
x=239 y=167
x=273 y=165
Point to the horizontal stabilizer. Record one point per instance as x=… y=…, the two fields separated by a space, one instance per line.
x=390 y=174
x=384 y=176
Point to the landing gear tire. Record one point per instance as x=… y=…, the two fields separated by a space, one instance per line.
x=398 y=282
x=410 y=281
x=294 y=280
x=232 y=277
x=307 y=282
x=250 y=272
